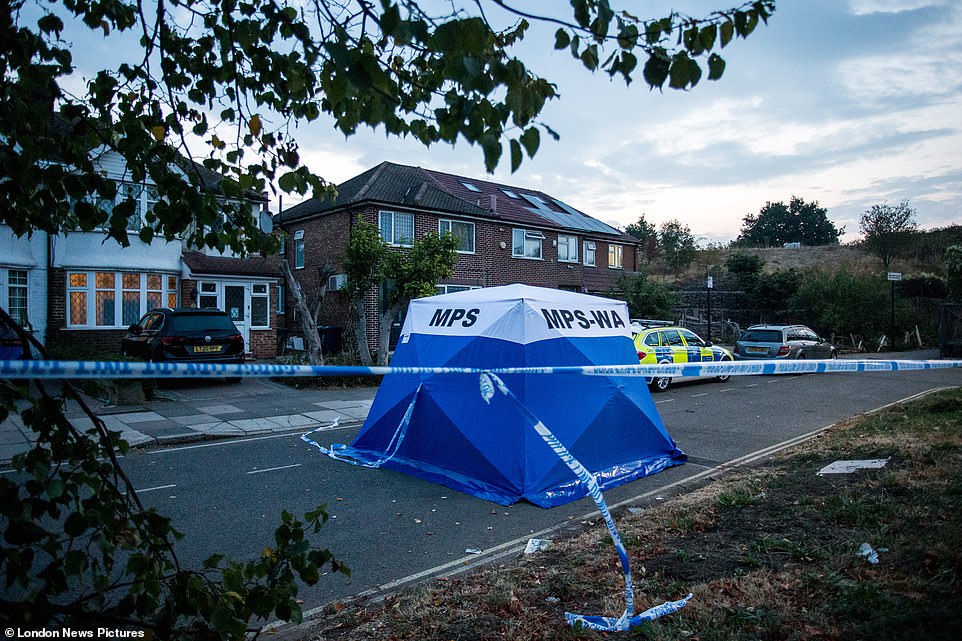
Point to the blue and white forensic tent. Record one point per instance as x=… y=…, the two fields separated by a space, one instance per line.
x=439 y=428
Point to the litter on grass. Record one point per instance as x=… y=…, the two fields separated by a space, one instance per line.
x=847 y=467
x=537 y=545
x=870 y=553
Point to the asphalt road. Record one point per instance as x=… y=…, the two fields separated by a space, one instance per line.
x=393 y=529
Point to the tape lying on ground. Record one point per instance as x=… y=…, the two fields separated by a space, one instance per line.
x=489 y=383
x=105 y=369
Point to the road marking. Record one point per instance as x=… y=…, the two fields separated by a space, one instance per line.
x=667 y=400
x=698 y=395
x=752 y=385
x=728 y=389
x=159 y=487
x=274 y=469
x=151 y=489
x=225 y=442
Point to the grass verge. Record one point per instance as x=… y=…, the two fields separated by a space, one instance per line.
x=770 y=552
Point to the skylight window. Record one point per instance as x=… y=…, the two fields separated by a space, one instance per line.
x=471 y=187
x=510 y=194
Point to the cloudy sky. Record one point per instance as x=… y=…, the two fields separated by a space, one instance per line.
x=850 y=103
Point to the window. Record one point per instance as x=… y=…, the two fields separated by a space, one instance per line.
x=470 y=186
x=13 y=286
x=461 y=230
x=692 y=338
x=116 y=299
x=671 y=337
x=260 y=305
x=450 y=289
x=510 y=194
x=396 y=229
x=567 y=249
x=280 y=299
x=615 y=256
x=207 y=295
x=299 y=249
x=144 y=197
x=526 y=243
x=651 y=340
x=590 y=253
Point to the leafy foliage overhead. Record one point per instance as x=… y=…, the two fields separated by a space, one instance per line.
x=797 y=222
x=219 y=85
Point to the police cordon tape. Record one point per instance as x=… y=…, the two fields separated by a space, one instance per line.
x=44 y=369
x=49 y=369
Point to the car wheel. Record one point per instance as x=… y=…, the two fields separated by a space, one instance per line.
x=660 y=383
x=724 y=377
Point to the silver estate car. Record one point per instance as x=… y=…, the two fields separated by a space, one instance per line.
x=781 y=341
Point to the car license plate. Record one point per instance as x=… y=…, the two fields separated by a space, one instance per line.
x=757 y=350
x=206 y=349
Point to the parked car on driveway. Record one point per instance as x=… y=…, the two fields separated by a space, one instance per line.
x=659 y=342
x=782 y=341
x=185 y=335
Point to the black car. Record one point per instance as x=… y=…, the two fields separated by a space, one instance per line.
x=184 y=335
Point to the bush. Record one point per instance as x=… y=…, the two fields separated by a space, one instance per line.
x=846 y=303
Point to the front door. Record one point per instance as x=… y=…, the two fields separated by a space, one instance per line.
x=237 y=306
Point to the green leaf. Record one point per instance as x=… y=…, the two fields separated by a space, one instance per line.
x=531 y=139
x=727 y=32
x=55 y=488
x=707 y=37
x=561 y=39
x=516 y=155
x=680 y=72
x=390 y=20
x=492 y=151
x=716 y=66
x=589 y=57
x=656 y=71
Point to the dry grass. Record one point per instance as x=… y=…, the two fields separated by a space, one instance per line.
x=769 y=552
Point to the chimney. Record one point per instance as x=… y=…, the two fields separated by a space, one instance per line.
x=494 y=203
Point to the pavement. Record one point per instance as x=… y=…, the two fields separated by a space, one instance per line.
x=194 y=410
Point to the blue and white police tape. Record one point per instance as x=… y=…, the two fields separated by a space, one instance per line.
x=48 y=369
x=393 y=445
x=489 y=382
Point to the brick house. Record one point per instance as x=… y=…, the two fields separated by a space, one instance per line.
x=507 y=235
x=80 y=288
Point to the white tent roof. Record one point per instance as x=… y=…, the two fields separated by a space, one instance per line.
x=517 y=313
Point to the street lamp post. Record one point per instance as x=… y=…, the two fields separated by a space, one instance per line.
x=893 y=277
x=709 y=284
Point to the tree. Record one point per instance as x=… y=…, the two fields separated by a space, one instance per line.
x=226 y=83
x=411 y=274
x=309 y=310
x=646 y=298
x=363 y=263
x=798 y=222
x=647 y=233
x=744 y=269
x=221 y=85
x=886 y=229
x=677 y=244
x=953 y=271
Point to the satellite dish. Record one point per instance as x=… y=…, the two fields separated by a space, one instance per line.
x=266 y=221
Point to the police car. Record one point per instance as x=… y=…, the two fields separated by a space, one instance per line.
x=659 y=342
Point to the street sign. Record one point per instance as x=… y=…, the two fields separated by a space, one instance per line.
x=895 y=275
